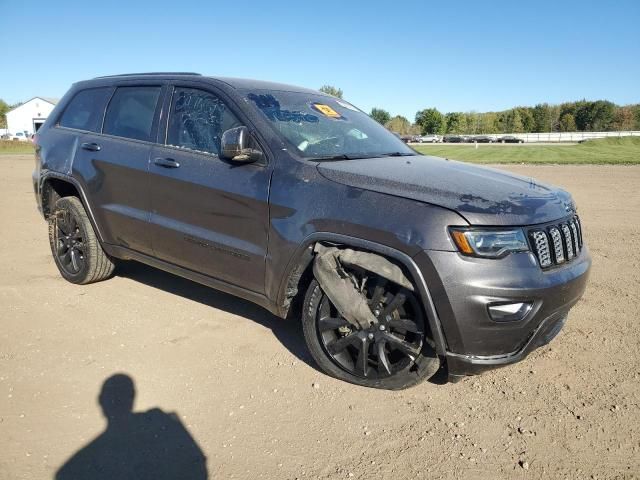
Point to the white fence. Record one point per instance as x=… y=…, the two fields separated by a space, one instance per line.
x=569 y=136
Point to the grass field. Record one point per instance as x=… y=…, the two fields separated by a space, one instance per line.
x=10 y=146
x=610 y=151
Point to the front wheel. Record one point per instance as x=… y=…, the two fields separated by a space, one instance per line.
x=393 y=353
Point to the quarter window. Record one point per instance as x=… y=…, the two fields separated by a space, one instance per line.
x=197 y=120
x=131 y=111
x=85 y=110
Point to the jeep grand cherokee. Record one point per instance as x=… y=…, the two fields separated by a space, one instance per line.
x=397 y=264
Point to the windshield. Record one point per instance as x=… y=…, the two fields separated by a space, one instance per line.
x=322 y=127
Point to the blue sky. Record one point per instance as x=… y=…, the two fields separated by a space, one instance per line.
x=401 y=56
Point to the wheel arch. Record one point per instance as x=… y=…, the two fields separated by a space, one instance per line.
x=54 y=186
x=298 y=275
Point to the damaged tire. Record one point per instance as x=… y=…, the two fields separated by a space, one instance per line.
x=74 y=245
x=393 y=351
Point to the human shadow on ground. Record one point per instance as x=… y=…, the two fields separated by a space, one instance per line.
x=151 y=445
x=289 y=333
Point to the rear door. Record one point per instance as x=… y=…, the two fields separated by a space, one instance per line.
x=208 y=215
x=115 y=163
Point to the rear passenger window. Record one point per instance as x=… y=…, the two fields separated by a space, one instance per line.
x=130 y=112
x=197 y=120
x=85 y=110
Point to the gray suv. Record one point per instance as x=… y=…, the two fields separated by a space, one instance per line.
x=398 y=265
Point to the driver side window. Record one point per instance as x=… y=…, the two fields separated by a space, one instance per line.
x=197 y=120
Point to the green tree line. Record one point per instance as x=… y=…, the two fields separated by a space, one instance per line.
x=581 y=116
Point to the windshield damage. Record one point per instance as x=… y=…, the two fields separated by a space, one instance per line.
x=323 y=128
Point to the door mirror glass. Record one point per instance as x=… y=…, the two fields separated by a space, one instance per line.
x=235 y=146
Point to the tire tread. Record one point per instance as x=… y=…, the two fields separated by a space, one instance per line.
x=98 y=264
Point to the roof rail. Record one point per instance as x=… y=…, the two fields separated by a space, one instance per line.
x=149 y=74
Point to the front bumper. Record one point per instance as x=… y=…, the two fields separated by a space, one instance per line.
x=463 y=287
x=460 y=365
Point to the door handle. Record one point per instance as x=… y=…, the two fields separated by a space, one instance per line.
x=92 y=147
x=166 y=162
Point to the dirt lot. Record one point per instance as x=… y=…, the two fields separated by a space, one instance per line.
x=242 y=385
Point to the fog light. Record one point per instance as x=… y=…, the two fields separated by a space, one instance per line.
x=509 y=312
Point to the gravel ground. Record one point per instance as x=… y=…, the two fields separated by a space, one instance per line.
x=240 y=382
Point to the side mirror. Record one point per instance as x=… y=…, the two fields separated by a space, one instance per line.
x=234 y=146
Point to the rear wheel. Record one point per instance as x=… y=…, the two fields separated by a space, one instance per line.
x=74 y=245
x=393 y=353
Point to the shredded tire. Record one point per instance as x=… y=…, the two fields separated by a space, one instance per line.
x=425 y=366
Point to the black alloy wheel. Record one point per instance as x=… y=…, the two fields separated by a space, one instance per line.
x=387 y=346
x=74 y=245
x=70 y=247
x=394 y=351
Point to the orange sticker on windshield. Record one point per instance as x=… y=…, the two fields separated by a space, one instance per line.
x=326 y=110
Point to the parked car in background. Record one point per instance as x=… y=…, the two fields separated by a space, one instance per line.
x=510 y=139
x=483 y=139
x=454 y=139
x=429 y=138
x=407 y=138
x=19 y=136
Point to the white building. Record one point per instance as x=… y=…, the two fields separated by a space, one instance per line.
x=30 y=116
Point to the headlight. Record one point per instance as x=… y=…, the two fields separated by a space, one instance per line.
x=489 y=243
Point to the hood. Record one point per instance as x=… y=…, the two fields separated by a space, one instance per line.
x=483 y=196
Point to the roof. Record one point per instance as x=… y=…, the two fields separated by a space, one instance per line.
x=50 y=100
x=151 y=74
x=237 y=83
x=248 y=84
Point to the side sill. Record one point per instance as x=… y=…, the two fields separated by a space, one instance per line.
x=254 y=297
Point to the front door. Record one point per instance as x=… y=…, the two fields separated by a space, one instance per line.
x=207 y=214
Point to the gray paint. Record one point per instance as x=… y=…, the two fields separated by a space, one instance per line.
x=483 y=196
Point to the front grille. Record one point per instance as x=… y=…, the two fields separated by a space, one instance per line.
x=557 y=244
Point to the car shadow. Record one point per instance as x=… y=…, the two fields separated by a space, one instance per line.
x=141 y=445
x=289 y=333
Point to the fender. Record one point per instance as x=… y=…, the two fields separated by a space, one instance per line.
x=300 y=259
x=83 y=196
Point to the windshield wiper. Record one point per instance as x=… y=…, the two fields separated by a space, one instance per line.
x=342 y=156
x=397 y=154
